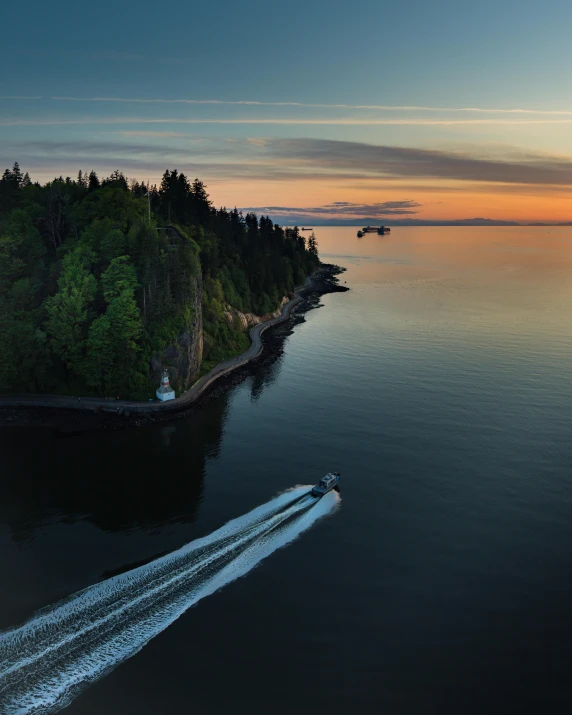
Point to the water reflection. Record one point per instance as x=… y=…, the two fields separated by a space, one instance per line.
x=264 y=377
x=267 y=373
x=121 y=480
x=117 y=481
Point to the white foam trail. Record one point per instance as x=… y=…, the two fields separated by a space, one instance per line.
x=68 y=611
x=46 y=662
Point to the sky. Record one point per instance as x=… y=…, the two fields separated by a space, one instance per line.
x=313 y=109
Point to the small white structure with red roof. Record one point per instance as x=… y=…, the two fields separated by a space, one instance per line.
x=165 y=391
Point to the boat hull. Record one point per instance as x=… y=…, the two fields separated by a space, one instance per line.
x=319 y=490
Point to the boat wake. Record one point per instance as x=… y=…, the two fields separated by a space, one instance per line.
x=49 y=660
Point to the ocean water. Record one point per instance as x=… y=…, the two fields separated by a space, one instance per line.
x=440 y=580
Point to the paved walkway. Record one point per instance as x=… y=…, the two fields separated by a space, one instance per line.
x=132 y=407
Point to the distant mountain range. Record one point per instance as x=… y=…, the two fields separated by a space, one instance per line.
x=566 y=223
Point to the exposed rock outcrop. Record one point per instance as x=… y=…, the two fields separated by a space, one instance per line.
x=248 y=320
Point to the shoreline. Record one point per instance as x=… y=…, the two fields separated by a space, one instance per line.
x=65 y=412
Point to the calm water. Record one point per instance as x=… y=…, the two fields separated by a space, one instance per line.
x=441 y=388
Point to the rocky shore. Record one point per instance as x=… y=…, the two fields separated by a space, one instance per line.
x=66 y=422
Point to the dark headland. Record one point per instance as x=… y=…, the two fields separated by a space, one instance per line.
x=109 y=288
x=84 y=415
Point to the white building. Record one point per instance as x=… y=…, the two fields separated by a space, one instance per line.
x=165 y=391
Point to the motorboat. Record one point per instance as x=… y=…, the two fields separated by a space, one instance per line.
x=326 y=484
x=360 y=234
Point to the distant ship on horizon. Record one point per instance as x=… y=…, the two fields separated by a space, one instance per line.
x=380 y=230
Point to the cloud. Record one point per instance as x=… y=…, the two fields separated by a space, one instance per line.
x=283 y=121
x=87 y=150
x=374 y=107
x=257 y=141
x=345 y=209
x=279 y=159
x=374 y=160
x=163 y=135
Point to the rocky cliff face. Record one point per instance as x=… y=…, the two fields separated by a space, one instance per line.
x=248 y=320
x=183 y=358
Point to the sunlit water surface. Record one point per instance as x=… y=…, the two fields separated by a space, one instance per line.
x=441 y=387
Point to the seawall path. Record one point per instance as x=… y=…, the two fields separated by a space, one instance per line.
x=132 y=407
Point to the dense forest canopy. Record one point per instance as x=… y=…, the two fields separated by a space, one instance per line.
x=98 y=276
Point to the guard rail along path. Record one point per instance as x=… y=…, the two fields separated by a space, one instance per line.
x=130 y=407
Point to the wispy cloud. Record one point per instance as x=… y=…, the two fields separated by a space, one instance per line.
x=316 y=105
x=163 y=135
x=279 y=159
x=108 y=149
x=343 y=209
x=374 y=160
x=257 y=141
x=323 y=121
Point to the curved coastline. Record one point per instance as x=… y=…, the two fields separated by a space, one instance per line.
x=129 y=408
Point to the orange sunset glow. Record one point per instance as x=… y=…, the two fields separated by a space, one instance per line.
x=438 y=200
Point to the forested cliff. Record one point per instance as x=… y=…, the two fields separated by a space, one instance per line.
x=104 y=283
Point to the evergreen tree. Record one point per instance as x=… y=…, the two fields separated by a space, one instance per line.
x=56 y=202
x=17 y=175
x=313 y=245
x=93 y=181
x=119 y=277
x=111 y=362
x=68 y=309
x=10 y=188
x=117 y=180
